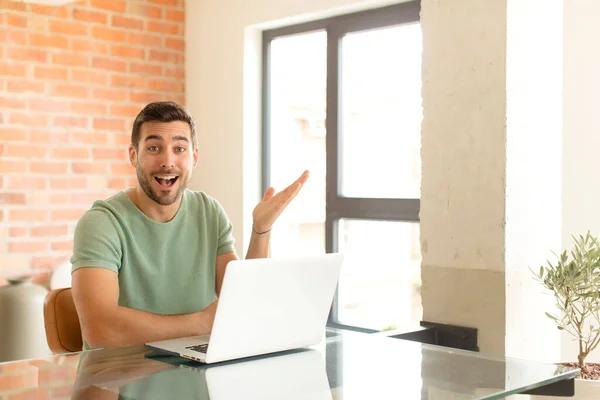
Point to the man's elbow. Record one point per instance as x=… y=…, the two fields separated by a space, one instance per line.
x=98 y=335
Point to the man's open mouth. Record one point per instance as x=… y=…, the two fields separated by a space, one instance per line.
x=166 y=181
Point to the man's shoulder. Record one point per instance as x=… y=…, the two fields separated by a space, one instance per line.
x=202 y=202
x=107 y=209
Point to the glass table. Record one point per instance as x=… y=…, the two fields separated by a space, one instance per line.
x=345 y=365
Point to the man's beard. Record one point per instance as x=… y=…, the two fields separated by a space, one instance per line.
x=145 y=184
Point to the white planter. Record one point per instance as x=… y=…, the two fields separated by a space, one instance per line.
x=584 y=390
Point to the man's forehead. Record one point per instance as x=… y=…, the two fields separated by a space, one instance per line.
x=165 y=129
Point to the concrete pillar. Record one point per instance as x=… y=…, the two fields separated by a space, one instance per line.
x=490 y=199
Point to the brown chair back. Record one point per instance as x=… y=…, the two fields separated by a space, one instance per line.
x=63 y=331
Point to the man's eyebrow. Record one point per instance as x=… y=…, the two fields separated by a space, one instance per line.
x=156 y=137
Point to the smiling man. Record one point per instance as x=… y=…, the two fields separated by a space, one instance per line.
x=148 y=262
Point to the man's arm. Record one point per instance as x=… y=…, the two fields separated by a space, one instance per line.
x=106 y=324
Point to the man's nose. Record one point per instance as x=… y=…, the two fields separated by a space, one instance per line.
x=167 y=161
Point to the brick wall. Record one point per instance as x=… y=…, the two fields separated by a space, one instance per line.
x=72 y=78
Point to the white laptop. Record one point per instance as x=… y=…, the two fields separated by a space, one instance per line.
x=266 y=305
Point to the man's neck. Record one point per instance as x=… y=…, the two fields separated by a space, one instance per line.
x=152 y=209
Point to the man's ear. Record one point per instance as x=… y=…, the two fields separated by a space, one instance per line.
x=132 y=156
x=196 y=156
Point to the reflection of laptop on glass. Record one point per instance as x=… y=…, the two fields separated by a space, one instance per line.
x=266 y=305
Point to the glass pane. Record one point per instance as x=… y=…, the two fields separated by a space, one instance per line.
x=298 y=95
x=380 y=283
x=381 y=113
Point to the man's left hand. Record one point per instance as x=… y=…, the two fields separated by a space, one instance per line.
x=272 y=205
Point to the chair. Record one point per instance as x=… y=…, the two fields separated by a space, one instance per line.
x=61 y=321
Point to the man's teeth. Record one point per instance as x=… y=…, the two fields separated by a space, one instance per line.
x=166 y=178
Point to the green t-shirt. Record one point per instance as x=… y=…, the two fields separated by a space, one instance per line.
x=163 y=268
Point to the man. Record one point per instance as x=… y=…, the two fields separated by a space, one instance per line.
x=148 y=263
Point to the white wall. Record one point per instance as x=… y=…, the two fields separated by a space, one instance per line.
x=581 y=142
x=223 y=43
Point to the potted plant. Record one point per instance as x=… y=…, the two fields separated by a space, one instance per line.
x=574 y=280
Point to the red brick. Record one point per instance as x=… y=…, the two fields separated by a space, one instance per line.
x=177 y=73
x=27 y=151
x=72 y=122
x=48 y=136
x=121 y=169
x=69 y=28
x=27 y=54
x=105 y=124
x=50 y=11
x=89 y=138
x=124 y=111
x=13 y=36
x=166 y=56
x=12 y=69
x=86 y=198
x=41 y=40
x=166 y=86
x=175 y=44
x=172 y=3
x=12 y=103
x=96 y=77
x=145 y=39
x=148 y=11
x=117 y=184
x=128 y=52
x=12 y=198
x=128 y=81
x=145 y=97
x=47 y=263
x=58 y=73
x=25 y=86
x=113 y=35
x=49 y=230
x=90 y=16
x=74 y=153
x=68 y=183
x=122 y=140
x=112 y=5
x=109 y=154
x=27 y=215
x=48 y=167
x=29 y=119
x=27 y=247
x=119 y=95
x=175 y=15
x=48 y=106
x=17 y=231
x=64 y=245
x=87 y=108
x=71 y=59
x=80 y=92
x=164 y=28
x=93 y=168
x=61 y=392
x=109 y=64
x=85 y=45
x=146 y=69
x=16 y=167
x=25 y=182
x=16 y=20
x=126 y=22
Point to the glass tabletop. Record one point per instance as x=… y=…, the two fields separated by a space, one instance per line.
x=345 y=365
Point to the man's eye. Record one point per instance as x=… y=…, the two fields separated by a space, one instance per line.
x=153 y=148
x=180 y=149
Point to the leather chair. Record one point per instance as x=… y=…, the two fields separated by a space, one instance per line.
x=61 y=321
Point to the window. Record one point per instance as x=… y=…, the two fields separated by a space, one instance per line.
x=342 y=98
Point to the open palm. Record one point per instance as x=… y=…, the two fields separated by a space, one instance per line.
x=272 y=205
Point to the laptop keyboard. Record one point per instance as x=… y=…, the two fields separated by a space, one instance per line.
x=201 y=348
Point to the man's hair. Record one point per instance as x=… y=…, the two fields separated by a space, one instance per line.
x=162 y=111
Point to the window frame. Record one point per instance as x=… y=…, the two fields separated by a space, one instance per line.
x=337 y=206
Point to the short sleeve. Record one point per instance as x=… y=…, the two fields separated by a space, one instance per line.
x=96 y=242
x=226 y=241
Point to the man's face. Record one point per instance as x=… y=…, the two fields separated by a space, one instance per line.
x=164 y=160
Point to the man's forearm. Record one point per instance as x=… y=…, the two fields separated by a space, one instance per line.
x=259 y=245
x=122 y=326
